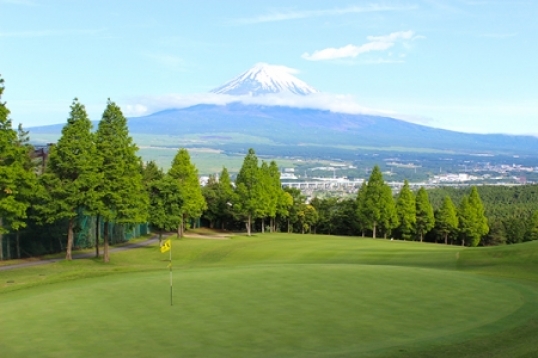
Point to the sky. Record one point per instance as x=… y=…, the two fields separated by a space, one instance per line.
x=465 y=65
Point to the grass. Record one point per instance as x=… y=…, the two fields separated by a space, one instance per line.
x=278 y=296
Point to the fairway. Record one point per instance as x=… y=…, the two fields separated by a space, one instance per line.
x=273 y=296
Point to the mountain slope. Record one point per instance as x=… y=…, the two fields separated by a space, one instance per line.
x=293 y=127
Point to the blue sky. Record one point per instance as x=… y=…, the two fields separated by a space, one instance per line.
x=466 y=65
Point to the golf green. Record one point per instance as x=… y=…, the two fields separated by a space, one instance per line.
x=260 y=311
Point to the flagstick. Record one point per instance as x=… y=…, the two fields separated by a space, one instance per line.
x=171 y=304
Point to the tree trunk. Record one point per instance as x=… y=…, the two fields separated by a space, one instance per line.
x=446 y=239
x=211 y=224
x=421 y=236
x=8 y=249
x=106 y=257
x=263 y=225
x=68 y=255
x=18 y=243
x=248 y=224
x=97 y=237
x=181 y=227
x=288 y=225
x=374 y=229
x=463 y=242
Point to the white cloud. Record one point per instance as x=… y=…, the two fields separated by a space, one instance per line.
x=323 y=101
x=294 y=15
x=375 y=43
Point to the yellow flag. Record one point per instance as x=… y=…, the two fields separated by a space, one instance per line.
x=166 y=246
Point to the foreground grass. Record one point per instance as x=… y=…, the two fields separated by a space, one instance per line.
x=278 y=295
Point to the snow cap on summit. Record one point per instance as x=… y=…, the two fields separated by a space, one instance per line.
x=263 y=79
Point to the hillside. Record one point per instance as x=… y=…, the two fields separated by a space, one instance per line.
x=302 y=127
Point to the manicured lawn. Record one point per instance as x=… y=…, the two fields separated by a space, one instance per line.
x=278 y=296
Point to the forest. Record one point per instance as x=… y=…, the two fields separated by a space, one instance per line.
x=92 y=189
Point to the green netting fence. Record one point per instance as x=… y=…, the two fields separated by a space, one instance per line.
x=36 y=240
x=86 y=231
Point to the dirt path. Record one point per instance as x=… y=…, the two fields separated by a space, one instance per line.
x=208 y=237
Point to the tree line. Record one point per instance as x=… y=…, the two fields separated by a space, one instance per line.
x=98 y=174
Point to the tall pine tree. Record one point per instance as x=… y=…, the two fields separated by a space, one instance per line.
x=374 y=200
x=446 y=219
x=425 y=219
x=71 y=176
x=248 y=203
x=481 y=227
x=405 y=205
x=123 y=198
x=389 y=215
x=186 y=175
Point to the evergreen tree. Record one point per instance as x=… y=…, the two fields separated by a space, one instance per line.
x=446 y=219
x=151 y=172
x=466 y=219
x=123 y=198
x=165 y=204
x=71 y=177
x=405 y=205
x=226 y=196
x=12 y=210
x=248 y=203
x=374 y=200
x=425 y=219
x=481 y=227
x=186 y=174
x=29 y=186
x=389 y=214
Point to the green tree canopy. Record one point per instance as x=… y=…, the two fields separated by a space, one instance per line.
x=405 y=205
x=425 y=219
x=123 y=198
x=186 y=174
x=374 y=200
x=71 y=177
x=446 y=219
x=248 y=202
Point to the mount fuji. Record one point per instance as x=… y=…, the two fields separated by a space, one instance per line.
x=247 y=120
x=264 y=79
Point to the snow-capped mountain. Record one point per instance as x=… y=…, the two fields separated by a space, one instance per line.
x=263 y=79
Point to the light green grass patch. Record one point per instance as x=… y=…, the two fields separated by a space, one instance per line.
x=278 y=296
x=252 y=311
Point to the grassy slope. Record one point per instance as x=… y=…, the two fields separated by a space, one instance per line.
x=279 y=295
